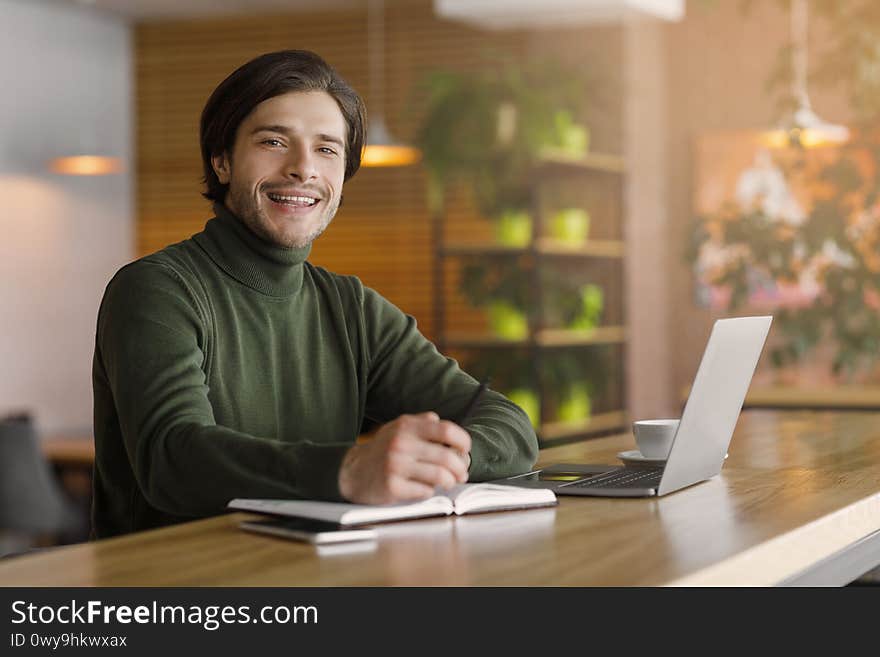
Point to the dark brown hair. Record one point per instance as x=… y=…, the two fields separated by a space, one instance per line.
x=265 y=77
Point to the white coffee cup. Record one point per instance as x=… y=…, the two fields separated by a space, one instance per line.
x=654 y=437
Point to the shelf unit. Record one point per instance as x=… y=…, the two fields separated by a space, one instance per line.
x=541 y=338
x=595 y=172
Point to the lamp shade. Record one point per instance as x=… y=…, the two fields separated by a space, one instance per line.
x=86 y=165
x=528 y=14
x=807 y=130
x=382 y=151
x=30 y=498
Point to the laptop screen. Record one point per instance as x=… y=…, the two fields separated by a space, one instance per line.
x=716 y=398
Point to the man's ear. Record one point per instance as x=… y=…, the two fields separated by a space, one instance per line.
x=221 y=168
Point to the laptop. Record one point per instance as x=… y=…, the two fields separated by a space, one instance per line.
x=704 y=432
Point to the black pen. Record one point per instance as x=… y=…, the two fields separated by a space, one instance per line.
x=472 y=404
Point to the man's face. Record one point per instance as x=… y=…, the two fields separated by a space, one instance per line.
x=286 y=169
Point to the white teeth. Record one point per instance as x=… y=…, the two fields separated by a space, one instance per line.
x=294 y=199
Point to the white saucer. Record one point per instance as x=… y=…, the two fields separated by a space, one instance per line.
x=634 y=457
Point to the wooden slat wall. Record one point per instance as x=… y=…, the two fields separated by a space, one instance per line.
x=382 y=233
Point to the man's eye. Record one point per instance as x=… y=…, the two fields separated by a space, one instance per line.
x=273 y=142
x=325 y=149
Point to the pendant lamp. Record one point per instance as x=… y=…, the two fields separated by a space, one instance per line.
x=85 y=165
x=382 y=150
x=85 y=156
x=803 y=128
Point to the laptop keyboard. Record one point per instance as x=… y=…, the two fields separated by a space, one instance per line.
x=623 y=478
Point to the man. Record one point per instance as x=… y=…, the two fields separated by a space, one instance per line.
x=228 y=366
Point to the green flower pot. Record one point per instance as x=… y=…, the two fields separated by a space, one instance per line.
x=576 y=140
x=575 y=405
x=527 y=400
x=592 y=302
x=573 y=138
x=507 y=321
x=514 y=228
x=571 y=226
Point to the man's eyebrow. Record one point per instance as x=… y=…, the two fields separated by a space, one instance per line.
x=332 y=139
x=284 y=130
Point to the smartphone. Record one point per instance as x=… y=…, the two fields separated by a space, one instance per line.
x=318 y=532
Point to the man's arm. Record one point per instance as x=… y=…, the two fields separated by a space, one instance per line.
x=150 y=328
x=407 y=375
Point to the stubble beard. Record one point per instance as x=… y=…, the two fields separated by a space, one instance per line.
x=256 y=219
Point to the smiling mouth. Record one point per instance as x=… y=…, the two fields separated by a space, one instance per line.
x=298 y=201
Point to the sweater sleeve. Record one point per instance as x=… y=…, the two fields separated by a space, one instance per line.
x=150 y=337
x=408 y=375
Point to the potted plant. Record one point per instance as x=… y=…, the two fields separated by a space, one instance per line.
x=570 y=225
x=589 y=313
x=489 y=127
x=570 y=303
x=514 y=228
x=504 y=291
x=511 y=374
x=577 y=377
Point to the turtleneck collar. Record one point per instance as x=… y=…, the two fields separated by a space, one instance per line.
x=267 y=268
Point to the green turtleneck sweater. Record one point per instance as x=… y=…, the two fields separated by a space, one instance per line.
x=228 y=367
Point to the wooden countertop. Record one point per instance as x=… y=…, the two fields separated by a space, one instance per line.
x=800 y=489
x=69 y=450
x=828 y=397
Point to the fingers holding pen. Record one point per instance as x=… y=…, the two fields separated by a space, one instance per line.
x=447 y=433
x=436 y=442
x=407 y=458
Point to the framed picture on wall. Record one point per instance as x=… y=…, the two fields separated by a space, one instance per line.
x=793 y=232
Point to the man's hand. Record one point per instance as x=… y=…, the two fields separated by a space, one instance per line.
x=406 y=460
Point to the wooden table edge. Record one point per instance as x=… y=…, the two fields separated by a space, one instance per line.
x=790 y=558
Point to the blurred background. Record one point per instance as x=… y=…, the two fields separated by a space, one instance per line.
x=569 y=192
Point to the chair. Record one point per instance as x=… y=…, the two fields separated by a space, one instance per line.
x=32 y=504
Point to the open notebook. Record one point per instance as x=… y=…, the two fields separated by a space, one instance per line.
x=458 y=500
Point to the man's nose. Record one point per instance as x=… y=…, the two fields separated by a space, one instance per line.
x=301 y=164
